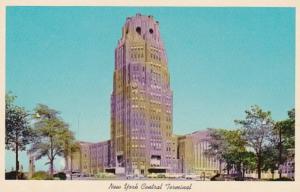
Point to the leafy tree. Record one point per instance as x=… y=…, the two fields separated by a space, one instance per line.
x=52 y=134
x=270 y=154
x=248 y=162
x=227 y=146
x=284 y=139
x=69 y=142
x=257 y=128
x=217 y=145
x=290 y=131
x=236 y=149
x=17 y=129
x=73 y=148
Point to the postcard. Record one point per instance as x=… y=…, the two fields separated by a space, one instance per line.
x=123 y=97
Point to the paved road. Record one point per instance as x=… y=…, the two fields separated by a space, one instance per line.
x=124 y=178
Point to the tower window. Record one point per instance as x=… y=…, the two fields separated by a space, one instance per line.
x=138 y=30
x=151 y=31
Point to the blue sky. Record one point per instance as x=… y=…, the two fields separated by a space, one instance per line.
x=221 y=61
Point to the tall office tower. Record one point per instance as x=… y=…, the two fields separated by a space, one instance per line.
x=141 y=101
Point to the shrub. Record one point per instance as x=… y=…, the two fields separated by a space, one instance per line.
x=41 y=175
x=283 y=179
x=60 y=175
x=103 y=175
x=12 y=176
x=100 y=175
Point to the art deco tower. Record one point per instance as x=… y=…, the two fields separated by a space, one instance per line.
x=141 y=101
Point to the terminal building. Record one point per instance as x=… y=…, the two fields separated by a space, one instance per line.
x=187 y=157
x=142 y=140
x=192 y=153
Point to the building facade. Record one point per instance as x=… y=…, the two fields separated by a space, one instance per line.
x=186 y=154
x=192 y=155
x=85 y=159
x=100 y=156
x=141 y=101
x=91 y=158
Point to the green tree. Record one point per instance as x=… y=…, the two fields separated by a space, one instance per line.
x=69 y=142
x=17 y=130
x=257 y=127
x=236 y=149
x=217 y=145
x=270 y=160
x=227 y=146
x=248 y=162
x=51 y=137
x=71 y=146
x=74 y=147
x=289 y=132
x=284 y=139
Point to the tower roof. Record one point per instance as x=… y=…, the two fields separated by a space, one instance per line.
x=141 y=27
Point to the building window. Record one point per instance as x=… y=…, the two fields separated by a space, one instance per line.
x=138 y=30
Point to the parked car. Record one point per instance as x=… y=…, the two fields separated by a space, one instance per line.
x=76 y=174
x=130 y=176
x=68 y=175
x=84 y=175
x=192 y=176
